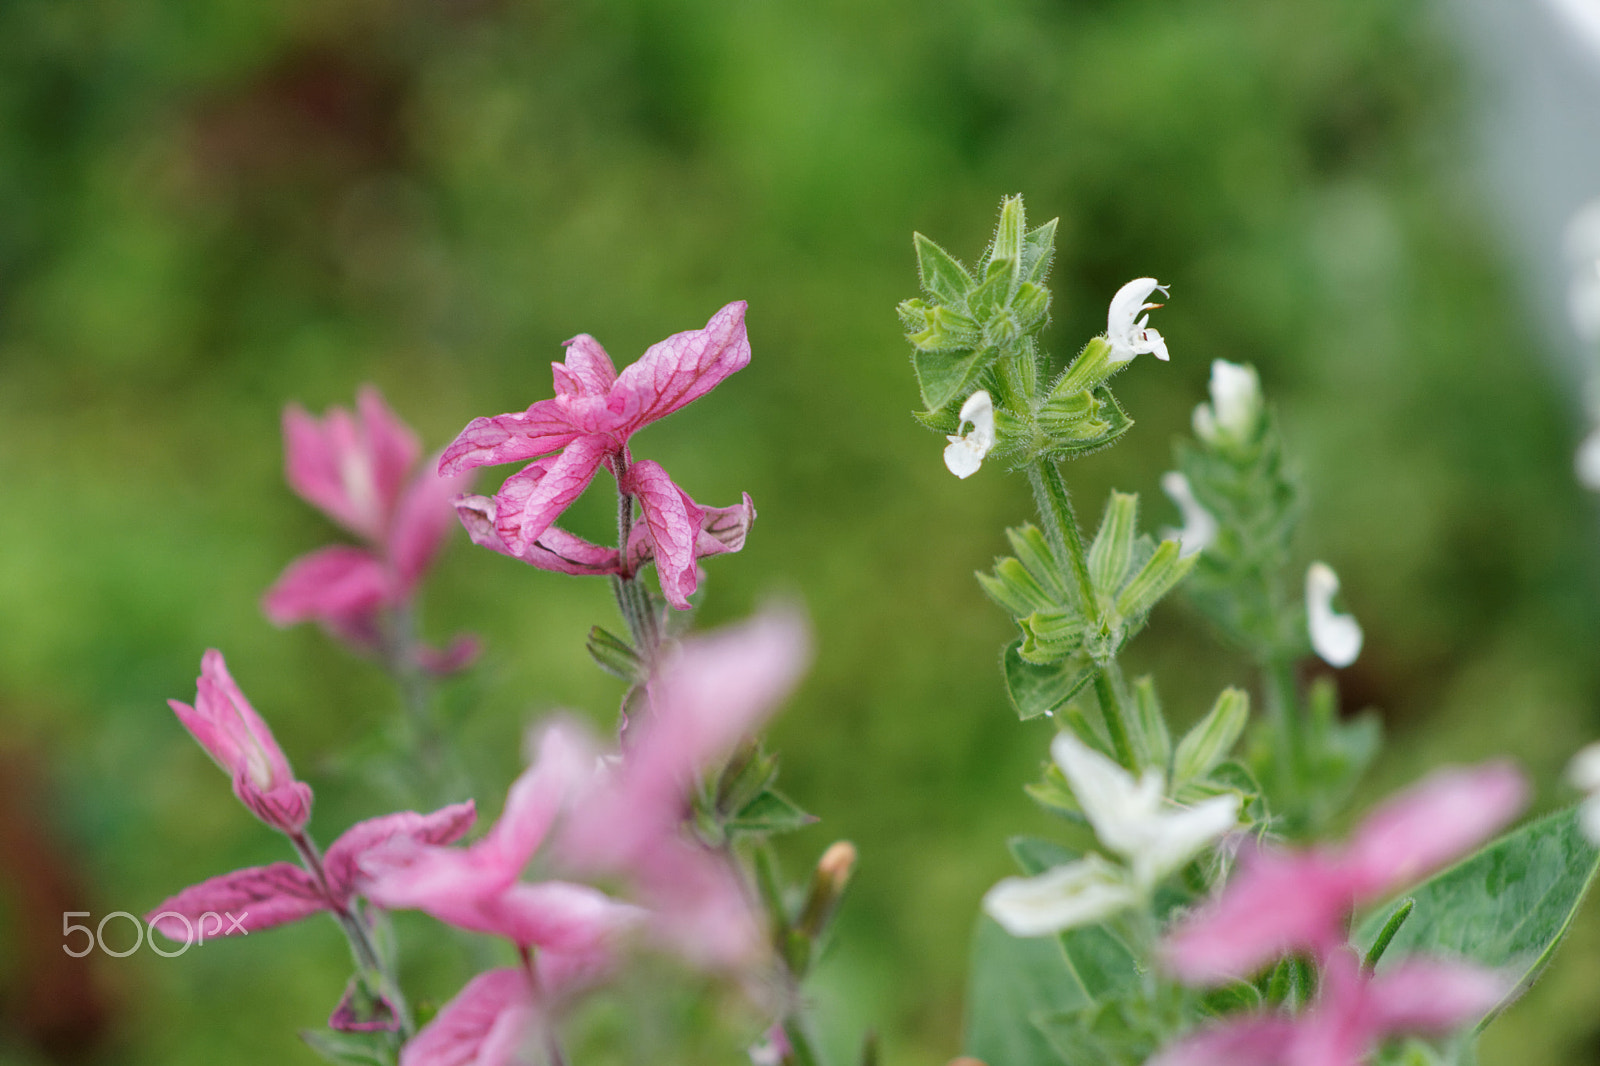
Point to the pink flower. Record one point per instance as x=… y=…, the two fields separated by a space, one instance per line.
x=260 y=897
x=1353 y=1014
x=231 y=731
x=363 y=472
x=587 y=425
x=1288 y=901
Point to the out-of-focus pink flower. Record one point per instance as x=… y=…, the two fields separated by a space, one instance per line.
x=585 y=426
x=711 y=692
x=225 y=724
x=1286 y=901
x=261 y=897
x=365 y=471
x=1354 y=1012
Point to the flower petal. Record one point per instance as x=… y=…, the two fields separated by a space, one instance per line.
x=1434 y=997
x=1199 y=525
x=532 y=499
x=422 y=520
x=1335 y=637
x=672 y=521
x=486 y=1024
x=244 y=901
x=391 y=448
x=1253 y=1040
x=1117 y=806
x=682 y=368
x=588 y=370
x=443 y=826
x=1078 y=893
x=337 y=582
x=556 y=549
x=508 y=438
x=558 y=916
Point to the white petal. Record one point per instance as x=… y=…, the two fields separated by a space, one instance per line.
x=1116 y=805
x=963 y=458
x=1588 y=461
x=1125 y=331
x=1182 y=834
x=1079 y=893
x=1335 y=637
x=1199 y=527
x=1235 y=397
x=979 y=410
x=1584 y=770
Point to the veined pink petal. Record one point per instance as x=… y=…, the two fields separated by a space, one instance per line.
x=1275 y=904
x=422 y=520
x=682 y=368
x=225 y=724
x=391 y=447
x=332 y=582
x=1433 y=996
x=558 y=916
x=722 y=529
x=588 y=370
x=487 y=1024
x=532 y=499
x=244 y=901
x=1432 y=823
x=556 y=549
x=443 y=826
x=509 y=438
x=672 y=522
x=698 y=906
x=1251 y=1041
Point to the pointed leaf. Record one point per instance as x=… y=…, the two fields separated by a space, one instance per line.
x=1015 y=589
x=1007 y=242
x=943 y=277
x=350 y=1049
x=1112 y=549
x=1040 y=690
x=1212 y=738
x=1158 y=577
x=614 y=655
x=770 y=812
x=946 y=376
x=1038 y=249
x=1034 y=552
x=1153 y=739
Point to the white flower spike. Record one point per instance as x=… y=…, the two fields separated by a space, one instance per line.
x=1335 y=637
x=1235 y=407
x=1131 y=818
x=1126 y=330
x=964 y=454
x=1588 y=461
x=1584 y=774
x=1199 y=530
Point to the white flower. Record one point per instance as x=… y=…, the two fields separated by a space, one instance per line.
x=1126 y=331
x=1584 y=773
x=1588 y=461
x=1199 y=530
x=964 y=454
x=1335 y=637
x=1079 y=893
x=1235 y=406
x=1131 y=818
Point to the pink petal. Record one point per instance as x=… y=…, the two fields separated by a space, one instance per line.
x=672 y=522
x=285 y=807
x=311 y=462
x=558 y=916
x=588 y=370
x=510 y=438
x=698 y=905
x=683 y=368
x=259 y=898
x=424 y=518
x=334 y=582
x=1434 y=997
x=372 y=1017
x=1275 y=904
x=533 y=498
x=458 y=655
x=391 y=447
x=487 y=1024
x=1431 y=824
x=443 y=826
x=1250 y=1041
x=556 y=549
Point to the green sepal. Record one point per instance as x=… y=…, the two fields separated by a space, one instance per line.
x=1210 y=740
x=749 y=773
x=1041 y=688
x=1092 y=367
x=350 y=1049
x=615 y=656
x=945 y=376
x=770 y=813
x=1070 y=439
x=1014 y=587
x=994 y=292
x=1038 y=250
x=1008 y=232
x=1159 y=576
x=940 y=329
x=1154 y=739
x=1051 y=635
x=1111 y=551
x=943 y=277
x=1034 y=552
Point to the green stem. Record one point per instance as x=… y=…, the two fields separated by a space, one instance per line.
x=1112 y=710
x=801 y=1053
x=1284 y=700
x=375 y=974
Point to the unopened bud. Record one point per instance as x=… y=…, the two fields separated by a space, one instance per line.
x=827 y=888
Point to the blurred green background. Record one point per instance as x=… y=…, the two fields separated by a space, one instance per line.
x=208 y=209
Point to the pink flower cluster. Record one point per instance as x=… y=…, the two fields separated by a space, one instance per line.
x=587 y=425
x=365 y=471
x=1300 y=902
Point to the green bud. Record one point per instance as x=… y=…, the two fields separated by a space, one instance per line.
x=1092 y=367
x=1213 y=737
x=947 y=329
x=615 y=656
x=1008 y=232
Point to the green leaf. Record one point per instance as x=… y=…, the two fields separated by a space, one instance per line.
x=1016 y=589
x=350 y=1049
x=1038 y=249
x=1034 y=856
x=1007 y=243
x=1112 y=548
x=1014 y=983
x=1154 y=739
x=1034 y=552
x=994 y=292
x=1505 y=907
x=770 y=812
x=615 y=656
x=1041 y=689
x=1213 y=737
x=943 y=277
x=1074 y=443
x=1165 y=569
x=944 y=376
